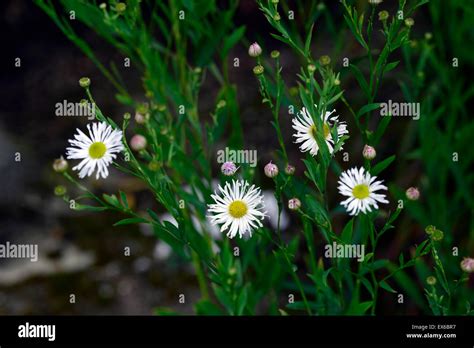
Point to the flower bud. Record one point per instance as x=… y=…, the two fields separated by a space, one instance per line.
x=258 y=70
x=276 y=17
x=127 y=116
x=289 y=169
x=409 y=22
x=141 y=118
x=430 y=229
x=467 y=265
x=154 y=165
x=221 y=104
x=437 y=235
x=428 y=36
x=275 y=2
x=294 y=204
x=60 y=165
x=60 y=190
x=431 y=280
x=84 y=82
x=383 y=15
x=375 y=2
x=138 y=142
x=369 y=152
x=311 y=68
x=255 y=50
x=325 y=60
x=120 y=7
x=275 y=54
x=271 y=170
x=103 y=6
x=228 y=168
x=412 y=194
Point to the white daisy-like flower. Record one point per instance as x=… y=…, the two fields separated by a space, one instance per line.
x=239 y=208
x=360 y=187
x=306 y=131
x=96 y=150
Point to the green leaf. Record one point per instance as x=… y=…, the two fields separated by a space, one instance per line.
x=384 y=285
x=206 y=307
x=379 y=167
x=123 y=196
x=130 y=221
x=307 y=44
x=242 y=301
x=232 y=40
x=83 y=207
x=390 y=66
x=361 y=308
x=381 y=129
x=360 y=79
x=112 y=200
x=367 y=108
x=346 y=235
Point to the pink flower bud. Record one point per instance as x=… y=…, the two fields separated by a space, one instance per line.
x=140 y=118
x=412 y=193
x=289 y=169
x=294 y=204
x=138 y=142
x=228 y=168
x=271 y=170
x=255 y=50
x=369 y=152
x=467 y=265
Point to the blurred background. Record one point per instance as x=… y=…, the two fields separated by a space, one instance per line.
x=82 y=254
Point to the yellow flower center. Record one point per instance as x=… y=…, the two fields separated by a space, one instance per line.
x=237 y=209
x=361 y=191
x=326 y=129
x=97 y=150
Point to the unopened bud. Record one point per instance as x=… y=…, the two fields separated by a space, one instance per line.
x=430 y=229
x=437 y=235
x=289 y=169
x=258 y=70
x=255 y=50
x=467 y=265
x=60 y=190
x=294 y=204
x=228 y=168
x=271 y=170
x=409 y=22
x=84 y=82
x=60 y=165
x=325 y=60
x=369 y=152
x=138 y=142
x=383 y=15
x=120 y=7
x=412 y=193
x=141 y=118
